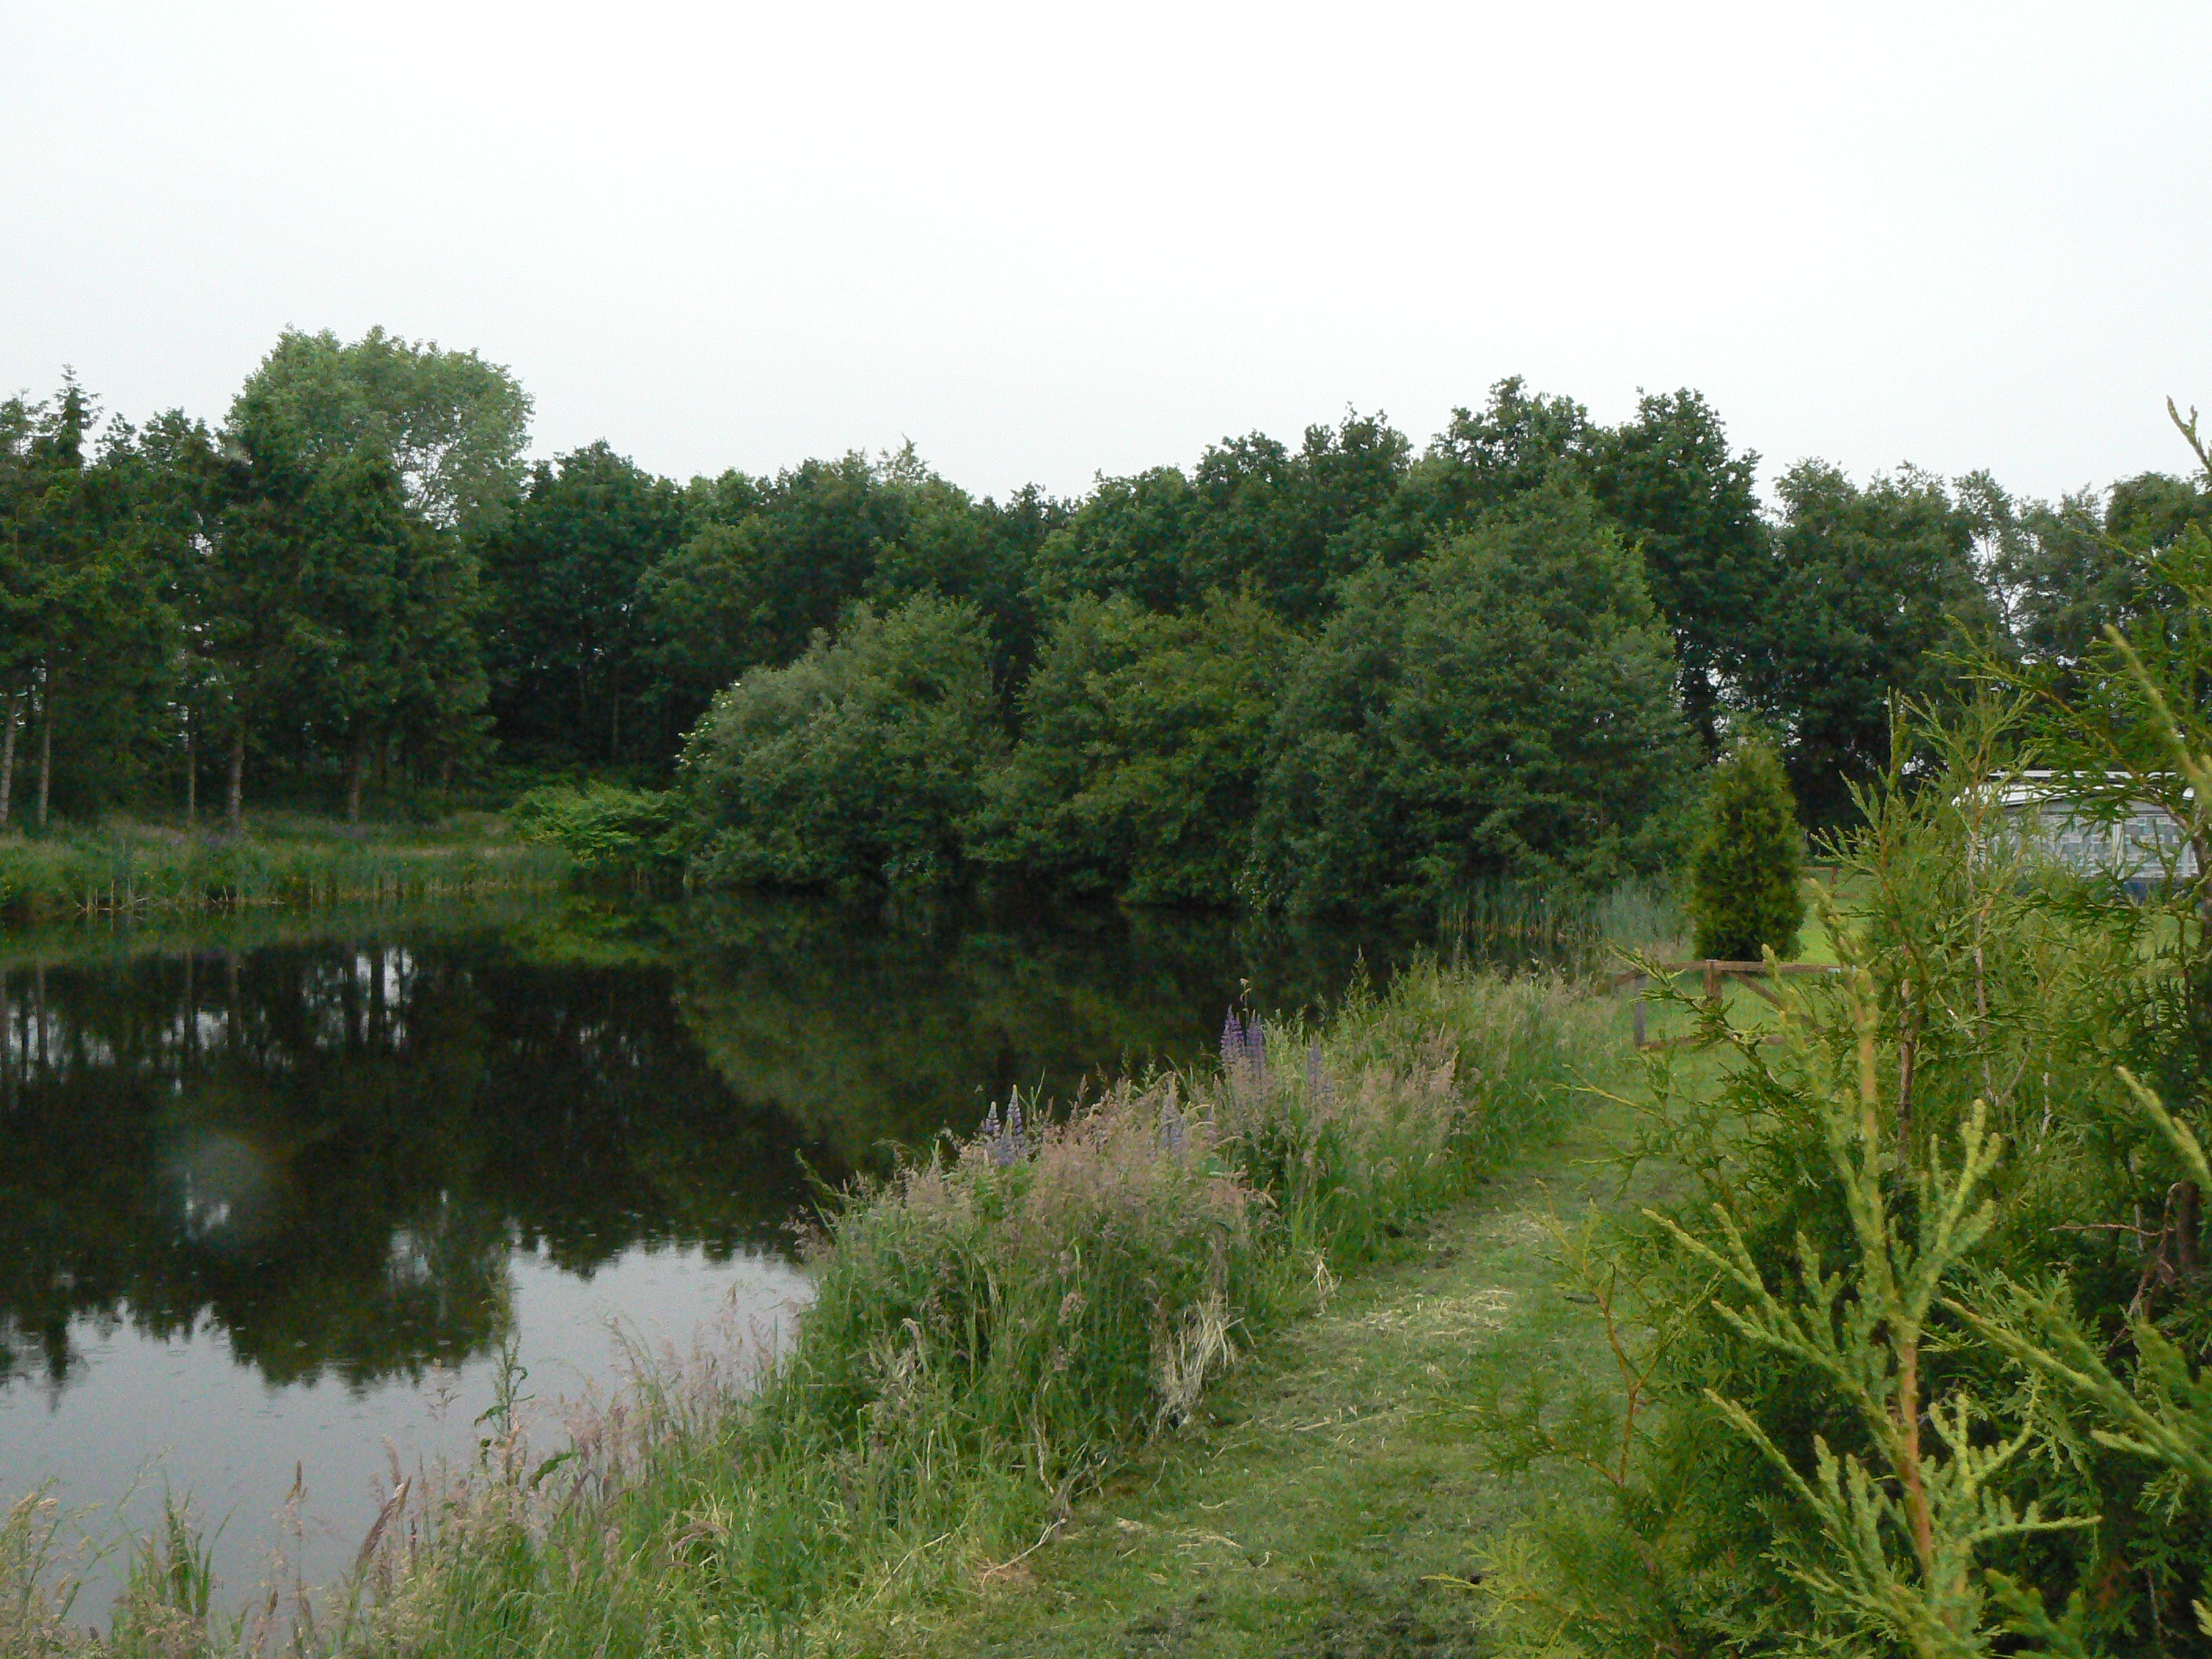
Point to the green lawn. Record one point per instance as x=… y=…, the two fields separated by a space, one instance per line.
x=1316 y=1508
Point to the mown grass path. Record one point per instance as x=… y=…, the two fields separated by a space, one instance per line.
x=1329 y=1486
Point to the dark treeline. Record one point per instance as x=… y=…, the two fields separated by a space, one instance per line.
x=1347 y=672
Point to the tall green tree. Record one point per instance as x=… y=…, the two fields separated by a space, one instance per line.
x=1502 y=709
x=1669 y=480
x=83 y=634
x=1252 y=511
x=179 y=505
x=379 y=455
x=1143 y=736
x=24 y=486
x=252 y=626
x=1874 y=584
x=453 y=427
x=394 y=602
x=565 y=644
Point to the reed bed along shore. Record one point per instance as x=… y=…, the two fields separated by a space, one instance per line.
x=995 y=1328
x=132 y=871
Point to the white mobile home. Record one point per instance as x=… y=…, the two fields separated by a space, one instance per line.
x=2140 y=841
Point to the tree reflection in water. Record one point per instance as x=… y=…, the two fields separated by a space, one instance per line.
x=330 y=1152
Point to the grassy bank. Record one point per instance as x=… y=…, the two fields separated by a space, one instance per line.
x=129 y=868
x=997 y=1331
x=1330 y=1501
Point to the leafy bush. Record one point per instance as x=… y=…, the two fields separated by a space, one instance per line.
x=861 y=761
x=1504 y=709
x=1747 y=868
x=605 y=829
x=1142 y=738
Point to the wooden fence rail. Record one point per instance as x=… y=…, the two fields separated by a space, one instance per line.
x=1714 y=971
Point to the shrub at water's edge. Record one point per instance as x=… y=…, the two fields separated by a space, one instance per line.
x=608 y=831
x=995 y=1327
x=861 y=760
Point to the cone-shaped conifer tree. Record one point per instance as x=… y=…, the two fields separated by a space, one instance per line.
x=1747 y=870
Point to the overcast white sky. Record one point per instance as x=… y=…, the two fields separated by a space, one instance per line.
x=1046 y=241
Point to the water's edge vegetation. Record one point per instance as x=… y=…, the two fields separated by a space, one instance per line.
x=995 y=1328
x=127 y=869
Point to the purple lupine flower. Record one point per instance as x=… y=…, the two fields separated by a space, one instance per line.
x=1018 y=1143
x=994 y=1139
x=1171 y=1129
x=1244 y=1051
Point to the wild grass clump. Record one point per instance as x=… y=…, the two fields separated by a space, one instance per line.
x=35 y=1598
x=122 y=873
x=1562 y=929
x=995 y=1327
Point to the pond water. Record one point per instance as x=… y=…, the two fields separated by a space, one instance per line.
x=277 y=1196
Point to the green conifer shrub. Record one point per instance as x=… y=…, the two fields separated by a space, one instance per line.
x=1747 y=870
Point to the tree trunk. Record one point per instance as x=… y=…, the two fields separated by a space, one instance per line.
x=234 y=808
x=8 y=756
x=357 y=773
x=191 y=777
x=45 y=755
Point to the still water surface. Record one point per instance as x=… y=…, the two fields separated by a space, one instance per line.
x=275 y=1196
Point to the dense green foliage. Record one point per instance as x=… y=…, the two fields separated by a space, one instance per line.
x=1915 y=1366
x=1318 y=676
x=1139 y=765
x=603 y=829
x=863 y=758
x=1502 y=707
x=1747 y=868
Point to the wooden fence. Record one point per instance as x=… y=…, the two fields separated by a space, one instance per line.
x=1750 y=974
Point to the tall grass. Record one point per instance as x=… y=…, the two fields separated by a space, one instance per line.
x=995 y=1328
x=1558 y=928
x=122 y=872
